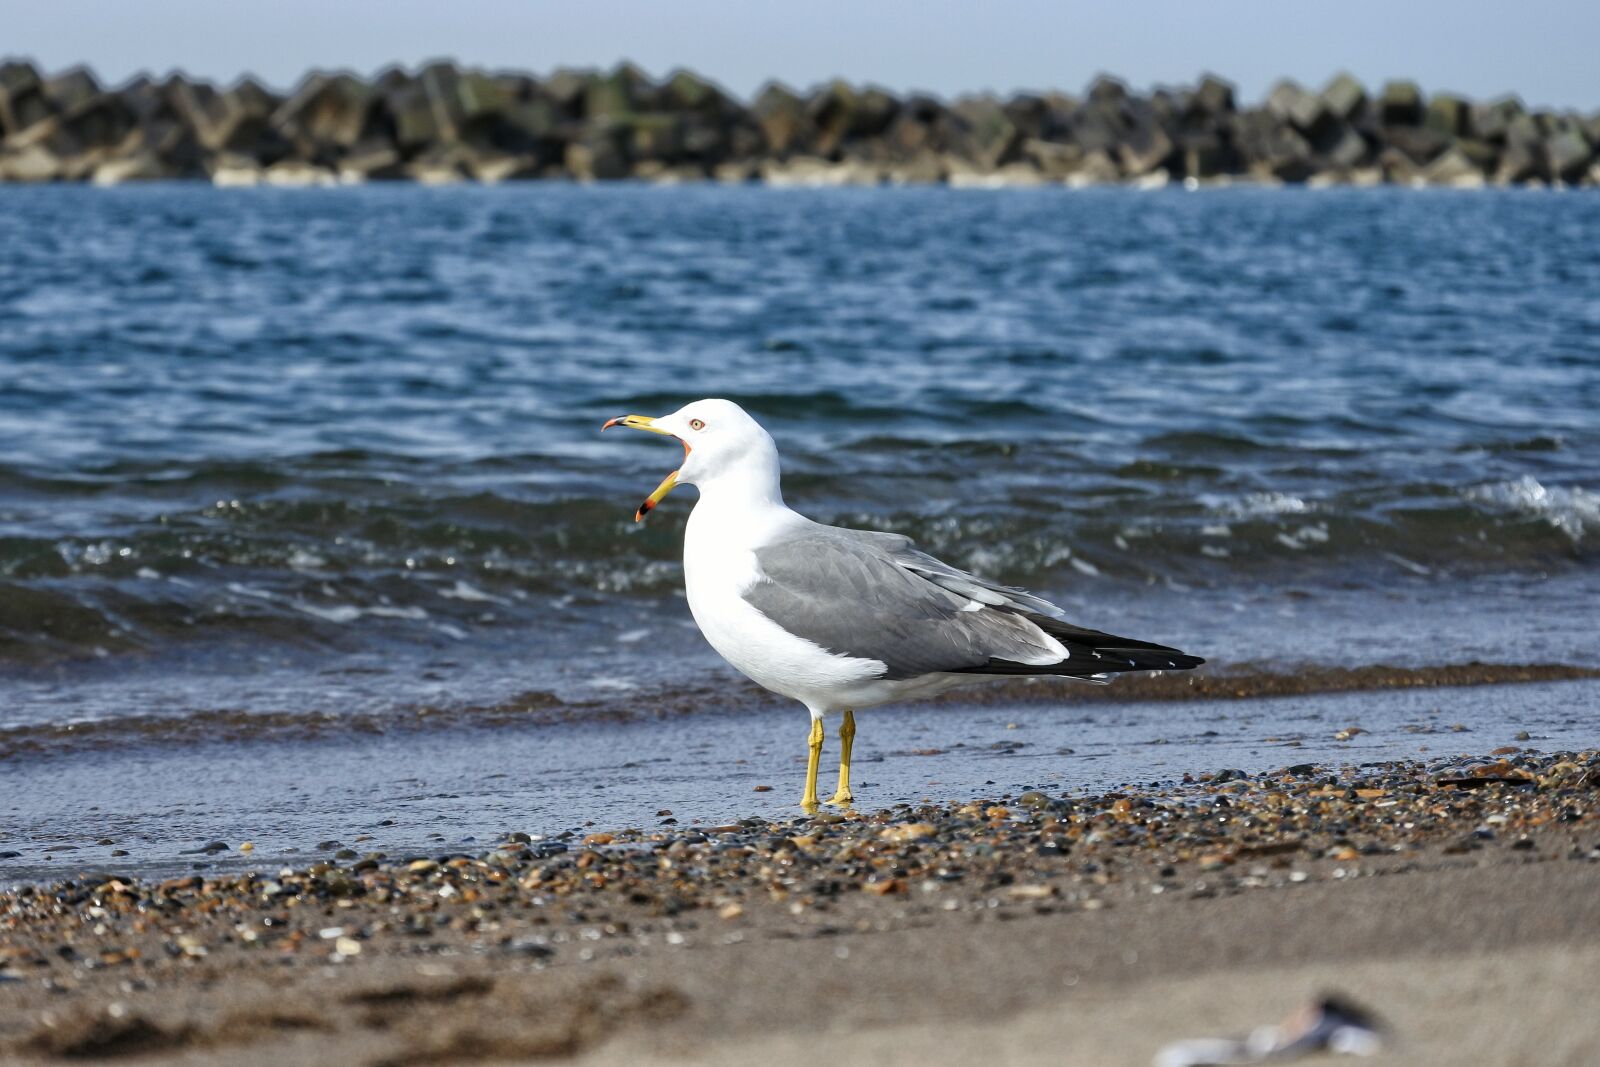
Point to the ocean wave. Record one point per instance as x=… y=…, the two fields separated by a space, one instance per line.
x=1256 y=504
x=335 y=572
x=273 y=423
x=1573 y=510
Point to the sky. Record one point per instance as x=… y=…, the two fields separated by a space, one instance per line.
x=1543 y=50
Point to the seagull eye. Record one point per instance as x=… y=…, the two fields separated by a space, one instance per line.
x=697 y=424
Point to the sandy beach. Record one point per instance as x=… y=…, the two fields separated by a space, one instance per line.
x=1454 y=899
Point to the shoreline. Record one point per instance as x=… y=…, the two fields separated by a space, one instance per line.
x=1230 y=895
x=1222 y=682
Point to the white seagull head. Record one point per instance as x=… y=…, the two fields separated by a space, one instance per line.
x=722 y=444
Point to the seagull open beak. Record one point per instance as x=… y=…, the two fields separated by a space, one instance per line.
x=670 y=482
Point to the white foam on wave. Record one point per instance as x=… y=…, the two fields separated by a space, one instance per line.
x=1257 y=505
x=340 y=613
x=463 y=591
x=391 y=611
x=1409 y=564
x=1574 y=511
x=345 y=613
x=1316 y=534
x=302 y=560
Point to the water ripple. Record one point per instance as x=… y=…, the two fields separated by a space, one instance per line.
x=340 y=419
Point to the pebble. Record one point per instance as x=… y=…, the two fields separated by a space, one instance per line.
x=914 y=831
x=1211 y=835
x=1031 y=892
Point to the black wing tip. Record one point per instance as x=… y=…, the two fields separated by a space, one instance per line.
x=1084 y=663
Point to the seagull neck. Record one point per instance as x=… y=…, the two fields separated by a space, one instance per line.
x=744 y=489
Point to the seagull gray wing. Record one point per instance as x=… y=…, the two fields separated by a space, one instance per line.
x=875 y=596
x=967 y=585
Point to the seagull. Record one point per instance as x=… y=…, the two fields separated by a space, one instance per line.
x=844 y=619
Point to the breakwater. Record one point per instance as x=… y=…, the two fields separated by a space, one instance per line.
x=443 y=123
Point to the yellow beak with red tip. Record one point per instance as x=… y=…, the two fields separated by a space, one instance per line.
x=670 y=482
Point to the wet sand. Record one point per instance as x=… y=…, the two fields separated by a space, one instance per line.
x=163 y=809
x=1457 y=899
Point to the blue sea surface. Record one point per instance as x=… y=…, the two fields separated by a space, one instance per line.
x=271 y=452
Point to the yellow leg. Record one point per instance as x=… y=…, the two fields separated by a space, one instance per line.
x=847 y=733
x=808 y=800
